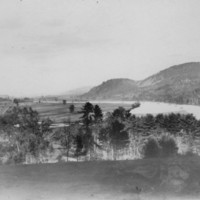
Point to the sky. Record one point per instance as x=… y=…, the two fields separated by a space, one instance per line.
x=50 y=46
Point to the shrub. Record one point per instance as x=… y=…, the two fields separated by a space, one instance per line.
x=165 y=146
x=190 y=153
x=15 y=158
x=71 y=108
x=168 y=146
x=151 y=148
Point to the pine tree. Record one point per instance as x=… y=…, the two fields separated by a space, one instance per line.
x=71 y=108
x=149 y=123
x=189 y=123
x=98 y=115
x=172 y=123
x=88 y=113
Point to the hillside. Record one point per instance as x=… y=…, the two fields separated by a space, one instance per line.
x=113 y=89
x=177 y=84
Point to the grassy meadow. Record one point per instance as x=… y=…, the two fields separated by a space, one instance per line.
x=98 y=180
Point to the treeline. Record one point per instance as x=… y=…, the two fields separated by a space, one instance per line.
x=24 y=135
x=173 y=123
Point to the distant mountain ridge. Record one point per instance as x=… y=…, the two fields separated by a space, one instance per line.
x=177 y=84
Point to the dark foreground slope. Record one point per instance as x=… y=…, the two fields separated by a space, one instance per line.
x=121 y=180
x=177 y=84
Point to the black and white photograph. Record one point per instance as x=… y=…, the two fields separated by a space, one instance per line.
x=99 y=99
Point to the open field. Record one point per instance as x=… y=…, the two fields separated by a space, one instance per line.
x=59 y=112
x=97 y=180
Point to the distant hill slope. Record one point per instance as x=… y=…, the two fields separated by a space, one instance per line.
x=113 y=89
x=75 y=92
x=177 y=84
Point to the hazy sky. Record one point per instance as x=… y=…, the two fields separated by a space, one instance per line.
x=51 y=46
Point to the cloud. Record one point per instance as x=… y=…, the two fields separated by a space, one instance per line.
x=41 y=47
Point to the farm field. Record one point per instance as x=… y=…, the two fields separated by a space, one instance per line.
x=60 y=113
x=96 y=180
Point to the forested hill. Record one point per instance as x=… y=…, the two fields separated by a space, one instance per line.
x=177 y=84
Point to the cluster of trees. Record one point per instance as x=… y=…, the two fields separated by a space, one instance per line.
x=119 y=127
x=21 y=100
x=165 y=146
x=85 y=139
x=172 y=123
x=71 y=107
x=91 y=114
x=27 y=134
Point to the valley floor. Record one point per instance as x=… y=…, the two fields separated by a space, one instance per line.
x=120 y=180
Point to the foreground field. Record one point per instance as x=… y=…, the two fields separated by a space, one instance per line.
x=120 y=180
